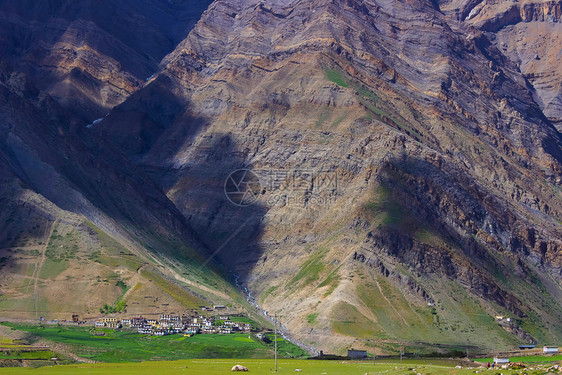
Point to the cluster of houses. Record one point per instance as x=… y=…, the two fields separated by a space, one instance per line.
x=173 y=324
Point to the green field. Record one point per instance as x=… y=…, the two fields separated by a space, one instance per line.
x=260 y=366
x=126 y=352
x=25 y=354
x=127 y=346
x=285 y=348
x=528 y=359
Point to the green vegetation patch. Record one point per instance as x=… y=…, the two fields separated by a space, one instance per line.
x=396 y=317
x=28 y=354
x=111 y=246
x=372 y=102
x=332 y=281
x=285 y=348
x=461 y=317
x=62 y=247
x=268 y=292
x=347 y=320
x=127 y=346
x=336 y=77
x=51 y=269
x=339 y=120
x=310 y=270
x=264 y=367
x=390 y=210
x=533 y=325
x=312 y=318
x=120 y=305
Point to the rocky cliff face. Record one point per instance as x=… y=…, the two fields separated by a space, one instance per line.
x=526 y=33
x=409 y=173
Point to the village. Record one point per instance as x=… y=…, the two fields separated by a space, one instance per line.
x=189 y=323
x=186 y=324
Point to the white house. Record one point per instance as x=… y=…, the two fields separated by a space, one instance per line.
x=501 y=360
x=550 y=349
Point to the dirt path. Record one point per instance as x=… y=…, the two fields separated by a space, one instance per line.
x=391 y=305
x=48 y=234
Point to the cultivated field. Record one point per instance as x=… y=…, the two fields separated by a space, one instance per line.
x=129 y=346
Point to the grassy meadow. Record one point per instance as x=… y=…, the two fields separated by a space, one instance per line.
x=529 y=359
x=266 y=366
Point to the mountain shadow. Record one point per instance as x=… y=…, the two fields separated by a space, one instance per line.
x=155 y=128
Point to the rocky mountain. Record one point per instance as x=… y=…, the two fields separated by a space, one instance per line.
x=81 y=225
x=408 y=158
x=527 y=32
x=91 y=55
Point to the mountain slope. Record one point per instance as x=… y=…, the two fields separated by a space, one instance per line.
x=81 y=226
x=410 y=170
x=448 y=173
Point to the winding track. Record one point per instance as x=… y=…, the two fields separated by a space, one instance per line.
x=39 y=265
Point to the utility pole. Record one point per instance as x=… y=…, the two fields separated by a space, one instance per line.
x=275 y=324
x=275 y=317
